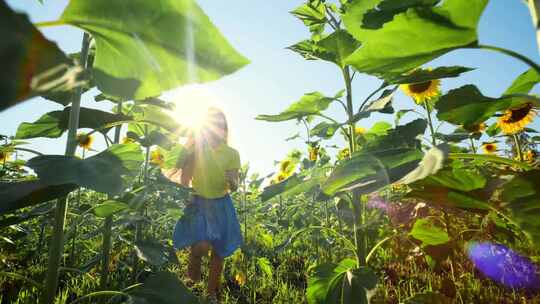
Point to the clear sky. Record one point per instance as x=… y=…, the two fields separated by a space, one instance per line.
x=261 y=30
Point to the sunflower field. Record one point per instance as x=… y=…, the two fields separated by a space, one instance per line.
x=405 y=211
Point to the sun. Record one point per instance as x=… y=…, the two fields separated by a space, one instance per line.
x=191 y=105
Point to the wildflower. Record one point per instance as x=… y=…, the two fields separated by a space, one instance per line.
x=422 y=91
x=4 y=156
x=343 y=154
x=240 y=278
x=127 y=140
x=489 y=148
x=157 y=158
x=530 y=156
x=85 y=141
x=514 y=120
x=313 y=153
x=360 y=131
x=284 y=166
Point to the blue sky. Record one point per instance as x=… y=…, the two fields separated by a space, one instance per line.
x=261 y=30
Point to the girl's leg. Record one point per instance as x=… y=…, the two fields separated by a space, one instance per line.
x=216 y=267
x=194 y=267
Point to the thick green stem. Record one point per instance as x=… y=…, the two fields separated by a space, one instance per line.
x=359 y=236
x=473 y=148
x=107 y=225
x=430 y=123
x=518 y=148
x=56 y=247
x=534 y=8
x=510 y=53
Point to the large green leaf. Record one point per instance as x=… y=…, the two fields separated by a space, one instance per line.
x=310 y=104
x=325 y=130
x=17 y=195
x=164 y=288
x=404 y=136
x=386 y=10
x=102 y=172
x=152 y=252
x=524 y=83
x=467 y=105
x=340 y=283
x=55 y=123
x=431 y=163
x=426 y=231
x=109 y=208
x=423 y=75
x=335 y=47
x=31 y=64
x=383 y=104
x=276 y=189
x=413 y=36
x=146 y=47
x=313 y=15
x=522 y=196
x=296 y=184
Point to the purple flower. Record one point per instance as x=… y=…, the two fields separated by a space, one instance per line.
x=504 y=266
x=377 y=202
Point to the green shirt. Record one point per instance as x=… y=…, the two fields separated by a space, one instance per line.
x=209 y=170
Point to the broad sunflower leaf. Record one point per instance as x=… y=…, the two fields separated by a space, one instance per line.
x=152 y=252
x=109 y=208
x=424 y=75
x=310 y=104
x=55 y=123
x=163 y=288
x=468 y=106
x=325 y=130
x=278 y=188
x=404 y=136
x=524 y=83
x=313 y=15
x=102 y=172
x=31 y=64
x=522 y=196
x=17 y=195
x=428 y=233
x=146 y=47
x=383 y=104
x=413 y=37
x=431 y=163
x=386 y=10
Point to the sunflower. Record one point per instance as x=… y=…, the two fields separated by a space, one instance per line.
x=359 y=131
x=422 y=91
x=476 y=128
x=313 y=153
x=4 y=156
x=514 y=120
x=85 y=141
x=157 y=158
x=343 y=154
x=240 y=278
x=489 y=148
x=530 y=156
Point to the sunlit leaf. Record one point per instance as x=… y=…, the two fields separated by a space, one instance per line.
x=386 y=10
x=313 y=15
x=431 y=163
x=524 y=83
x=423 y=75
x=55 y=123
x=31 y=64
x=383 y=104
x=144 y=48
x=428 y=233
x=310 y=104
x=152 y=252
x=109 y=208
x=325 y=130
x=102 y=172
x=413 y=37
x=281 y=187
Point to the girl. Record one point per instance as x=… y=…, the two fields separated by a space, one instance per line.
x=209 y=222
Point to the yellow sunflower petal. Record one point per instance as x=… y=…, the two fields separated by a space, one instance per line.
x=515 y=120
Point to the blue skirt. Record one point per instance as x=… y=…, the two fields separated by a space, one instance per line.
x=211 y=220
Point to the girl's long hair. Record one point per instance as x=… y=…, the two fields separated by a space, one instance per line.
x=214 y=131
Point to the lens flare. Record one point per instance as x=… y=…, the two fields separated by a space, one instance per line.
x=504 y=266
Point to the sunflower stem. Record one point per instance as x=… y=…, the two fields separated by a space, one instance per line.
x=473 y=148
x=430 y=123
x=518 y=148
x=56 y=247
x=509 y=53
x=49 y=23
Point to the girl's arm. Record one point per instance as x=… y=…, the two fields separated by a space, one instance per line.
x=231 y=176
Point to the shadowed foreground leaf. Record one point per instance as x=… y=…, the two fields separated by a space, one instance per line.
x=18 y=195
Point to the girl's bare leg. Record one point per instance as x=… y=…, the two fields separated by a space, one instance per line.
x=216 y=267
x=194 y=267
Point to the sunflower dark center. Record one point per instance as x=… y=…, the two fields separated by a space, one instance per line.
x=519 y=113
x=490 y=147
x=420 y=87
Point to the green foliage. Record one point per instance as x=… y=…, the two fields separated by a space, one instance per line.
x=102 y=172
x=109 y=208
x=55 y=123
x=137 y=57
x=310 y=104
x=428 y=233
x=313 y=15
x=524 y=83
x=164 y=288
x=413 y=37
x=423 y=75
x=17 y=195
